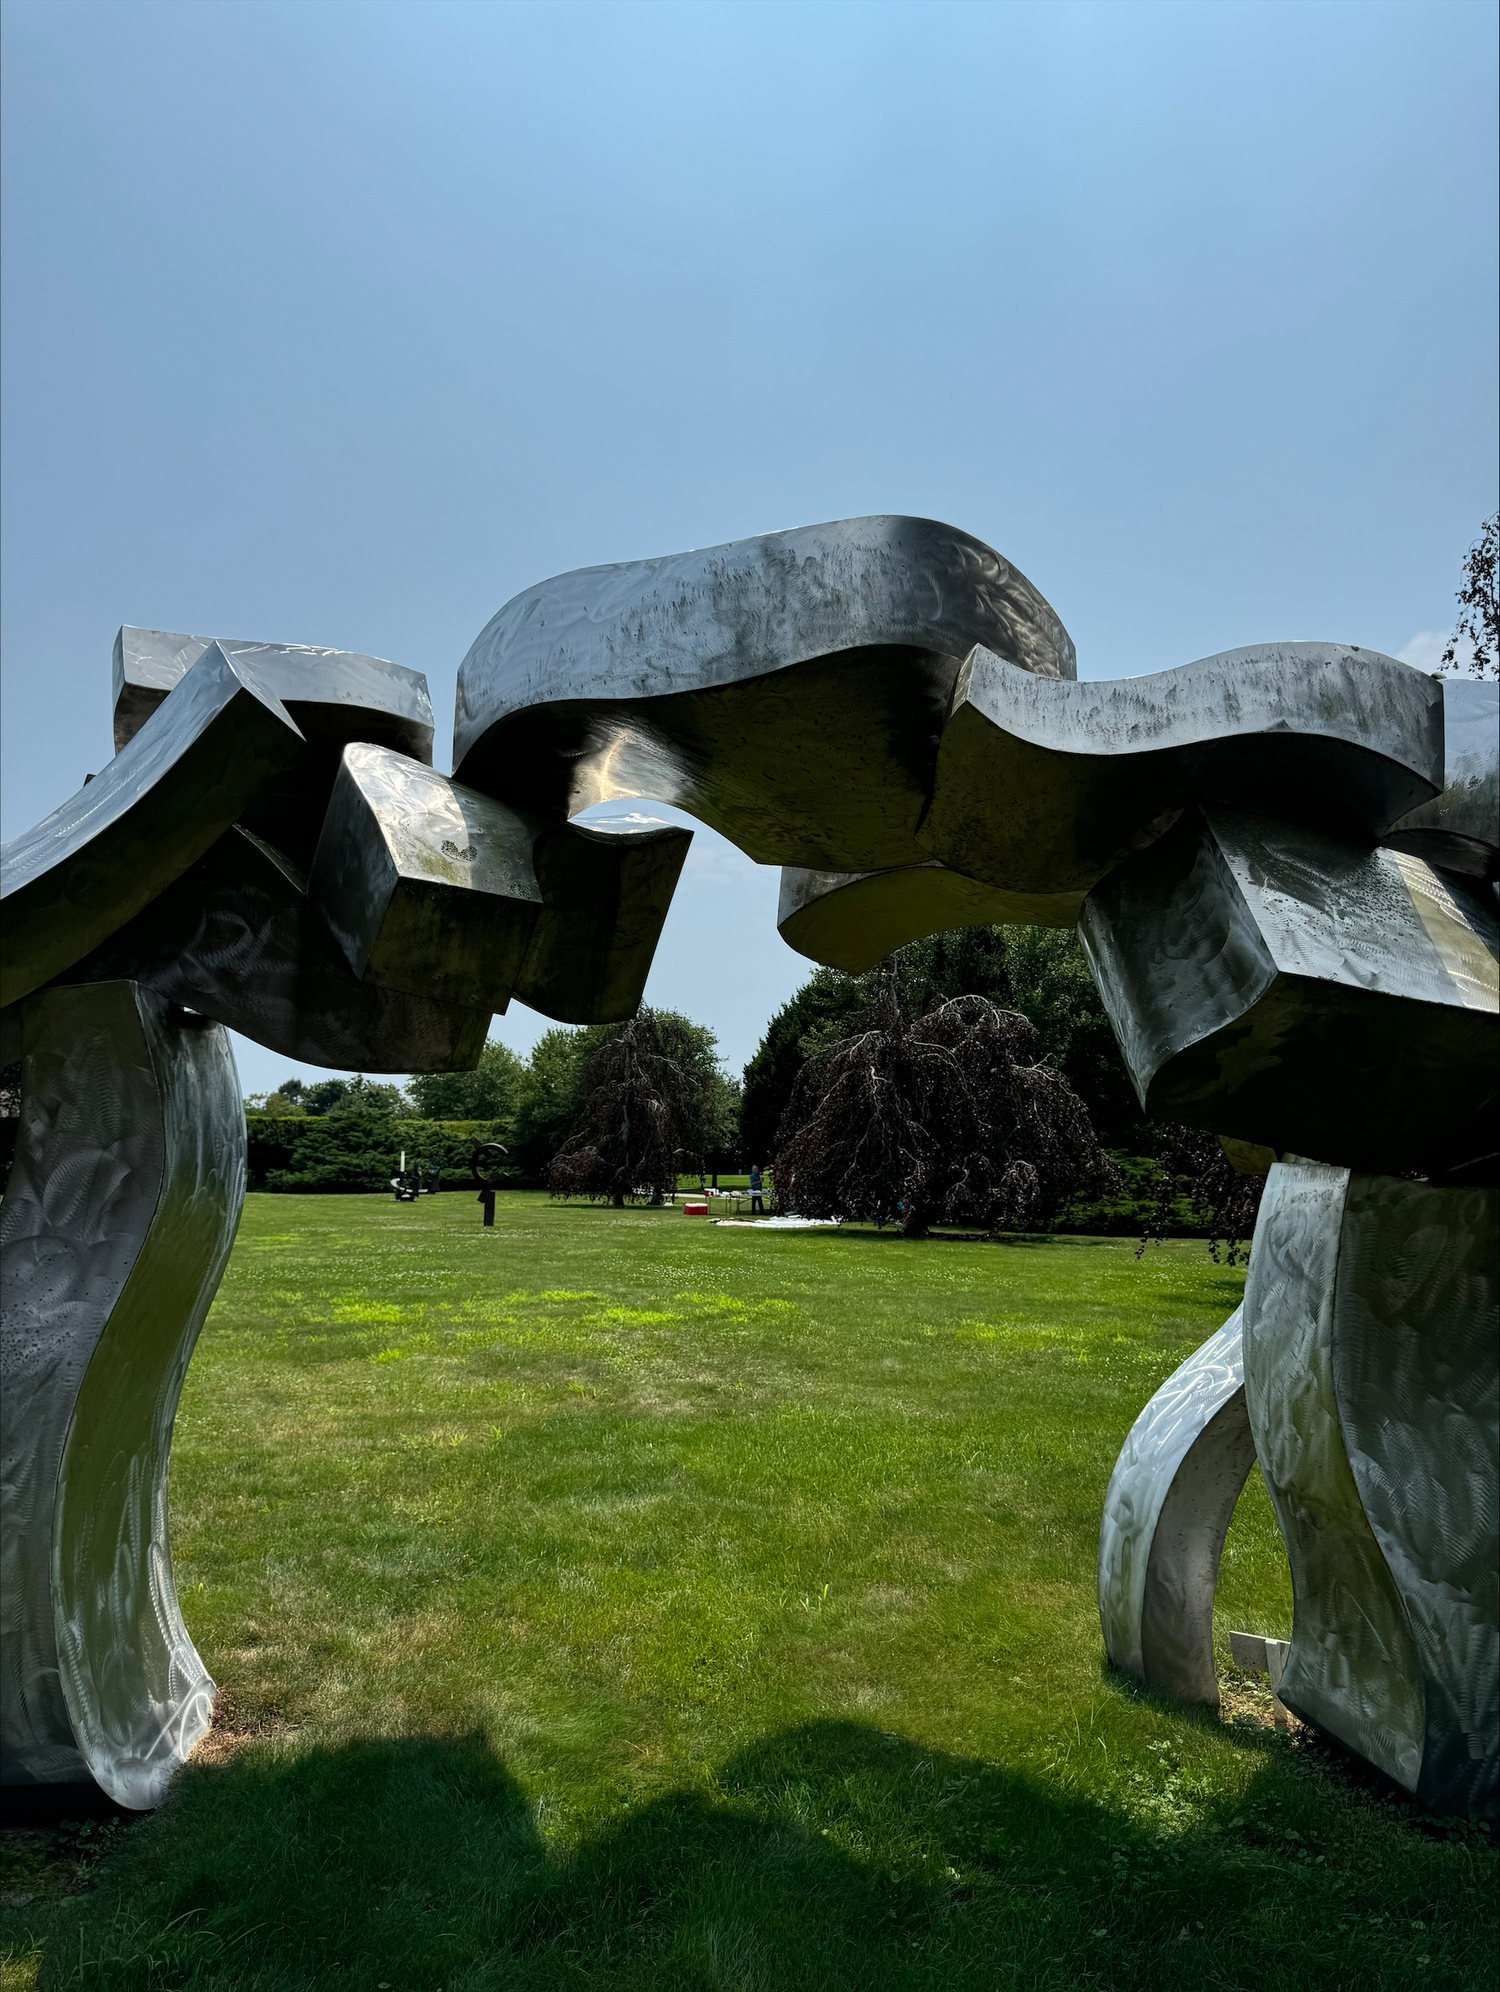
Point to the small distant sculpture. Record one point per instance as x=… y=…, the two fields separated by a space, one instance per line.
x=1282 y=864
x=485 y=1167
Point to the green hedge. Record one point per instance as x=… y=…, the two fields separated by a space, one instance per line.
x=359 y=1151
x=1128 y=1214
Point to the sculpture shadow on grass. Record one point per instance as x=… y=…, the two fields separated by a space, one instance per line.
x=829 y=1855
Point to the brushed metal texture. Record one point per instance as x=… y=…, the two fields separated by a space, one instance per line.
x=1168 y=1508
x=1354 y=1668
x=789 y=689
x=426 y=885
x=605 y=896
x=1417 y=1383
x=236 y=938
x=335 y=694
x=77 y=876
x=1460 y=828
x=1042 y=786
x=851 y=920
x=1302 y=991
x=118 y=1219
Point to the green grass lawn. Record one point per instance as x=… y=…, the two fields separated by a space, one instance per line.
x=612 y=1600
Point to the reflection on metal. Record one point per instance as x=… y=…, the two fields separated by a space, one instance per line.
x=332 y=694
x=1169 y=1504
x=170 y=896
x=426 y=886
x=1282 y=860
x=1371 y=1380
x=1044 y=787
x=1460 y=829
x=236 y=938
x=1303 y=991
x=206 y=753
x=788 y=690
x=121 y=1207
x=605 y=895
x=851 y=920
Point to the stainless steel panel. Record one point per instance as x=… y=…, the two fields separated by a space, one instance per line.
x=427 y=886
x=789 y=690
x=1170 y=1501
x=1460 y=829
x=605 y=898
x=1417 y=1383
x=851 y=920
x=1043 y=786
x=82 y=872
x=1302 y=991
x=1370 y=1375
x=235 y=938
x=338 y=693
x=121 y=1208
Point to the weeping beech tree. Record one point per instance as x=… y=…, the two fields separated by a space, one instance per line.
x=951 y=1118
x=646 y=1102
x=1194 y=1164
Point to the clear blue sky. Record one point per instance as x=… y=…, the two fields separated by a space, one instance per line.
x=341 y=323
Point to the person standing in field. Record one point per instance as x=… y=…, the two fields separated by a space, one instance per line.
x=756 y=1186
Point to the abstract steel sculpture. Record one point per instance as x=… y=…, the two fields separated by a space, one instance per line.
x=1281 y=862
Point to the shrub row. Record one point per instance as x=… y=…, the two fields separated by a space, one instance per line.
x=332 y=1153
x=359 y=1152
x=1129 y=1213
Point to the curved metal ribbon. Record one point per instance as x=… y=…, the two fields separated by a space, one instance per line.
x=116 y=1224
x=1168 y=1508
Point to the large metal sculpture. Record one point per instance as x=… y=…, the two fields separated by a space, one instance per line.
x=1281 y=862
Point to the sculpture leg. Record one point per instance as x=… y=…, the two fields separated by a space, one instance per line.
x=1170 y=1501
x=116 y=1225
x=1372 y=1385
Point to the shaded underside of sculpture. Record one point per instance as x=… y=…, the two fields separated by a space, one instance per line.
x=1281 y=860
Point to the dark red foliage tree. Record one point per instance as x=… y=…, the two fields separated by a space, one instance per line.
x=1192 y=1164
x=952 y=1118
x=1479 y=609
x=646 y=1098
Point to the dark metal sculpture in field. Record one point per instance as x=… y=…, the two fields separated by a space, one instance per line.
x=1281 y=862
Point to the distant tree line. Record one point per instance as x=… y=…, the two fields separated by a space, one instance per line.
x=347 y=1133
x=970 y=1079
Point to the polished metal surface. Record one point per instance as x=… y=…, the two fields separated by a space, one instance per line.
x=338 y=694
x=120 y=1211
x=1417 y=1382
x=211 y=747
x=1460 y=828
x=427 y=886
x=789 y=690
x=605 y=895
x=1370 y=1376
x=1302 y=990
x=236 y=938
x=1170 y=1501
x=1043 y=787
x=334 y=696
x=851 y=920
